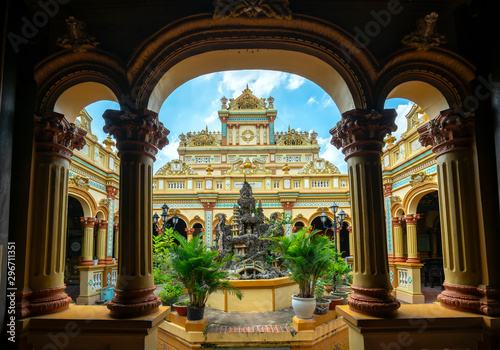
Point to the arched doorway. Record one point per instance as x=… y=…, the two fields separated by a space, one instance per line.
x=74 y=234
x=298 y=225
x=198 y=229
x=344 y=247
x=180 y=227
x=429 y=246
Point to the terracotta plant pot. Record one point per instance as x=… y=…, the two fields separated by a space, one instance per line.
x=181 y=309
x=334 y=302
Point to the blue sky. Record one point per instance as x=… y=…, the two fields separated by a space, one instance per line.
x=301 y=104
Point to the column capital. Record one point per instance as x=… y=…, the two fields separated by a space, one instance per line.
x=287 y=205
x=208 y=206
x=411 y=219
x=103 y=224
x=388 y=190
x=137 y=130
x=112 y=192
x=397 y=221
x=363 y=131
x=88 y=222
x=450 y=131
x=56 y=136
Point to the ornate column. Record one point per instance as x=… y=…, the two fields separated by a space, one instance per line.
x=411 y=238
x=100 y=250
x=266 y=126
x=287 y=208
x=360 y=134
x=112 y=193
x=387 y=205
x=88 y=241
x=451 y=136
x=257 y=126
x=209 y=207
x=189 y=233
x=139 y=135
x=237 y=139
x=117 y=237
x=397 y=223
x=230 y=133
x=55 y=139
x=351 y=241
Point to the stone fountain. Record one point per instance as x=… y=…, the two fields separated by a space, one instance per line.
x=243 y=239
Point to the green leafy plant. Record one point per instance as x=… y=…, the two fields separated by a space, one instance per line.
x=276 y=225
x=171 y=292
x=319 y=292
x=161 y=244
x=194 y=265
x=307 y=256
x=182 y=303
x=339 y=272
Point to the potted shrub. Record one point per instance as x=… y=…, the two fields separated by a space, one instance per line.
x=181 y=307
x=308 y=257
x=171 y=292
x=322 y=303
x=96 y=261
x=193 y=264
x=340 y=271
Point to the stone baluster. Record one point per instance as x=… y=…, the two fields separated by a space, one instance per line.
x=360 y=134
x=139 y=135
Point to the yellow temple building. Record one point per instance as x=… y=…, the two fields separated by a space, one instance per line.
x=284 y=169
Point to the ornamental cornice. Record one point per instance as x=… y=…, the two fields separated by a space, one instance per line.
x=295 y=138
x=362 y=131
x=138 y=130
x=319 y=166
x=451 y=131
x=271 y=8
x=176 y=167
x=56 y=136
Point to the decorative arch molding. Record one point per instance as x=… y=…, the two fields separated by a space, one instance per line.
x=444 y=70
x=181 y=217
x=105 y=210
x=66 y=69
x=258 y=43
x=100 y=214
x=318 y=214
x=88 y=203
x=413 y=196
x=348 y=220
x=197 y=221
x=395 y=208
x=302 y=220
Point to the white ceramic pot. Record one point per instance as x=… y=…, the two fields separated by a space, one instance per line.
x=303 y=307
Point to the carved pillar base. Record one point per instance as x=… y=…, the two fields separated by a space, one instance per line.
x=462 y=298
x=22 y=303
x=133 y=302
x=490 y=301
x=373 y=301
x=47 y=301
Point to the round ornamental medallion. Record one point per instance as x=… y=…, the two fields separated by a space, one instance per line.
x=247 y=135
x=75 y=246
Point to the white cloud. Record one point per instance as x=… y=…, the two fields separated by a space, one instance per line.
x=326 y=101
x=294 y=82
x=260 y=82
x=332 y=154
x=214 y=116
x=168 y=153
x=401 y=122
x=312 y=100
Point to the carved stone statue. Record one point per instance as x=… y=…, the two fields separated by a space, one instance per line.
x=253 y=252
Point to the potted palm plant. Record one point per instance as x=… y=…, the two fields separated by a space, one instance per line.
x=308 y=257
x=194 y=265
x=339 y=273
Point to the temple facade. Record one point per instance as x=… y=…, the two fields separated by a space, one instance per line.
x=284 y=169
